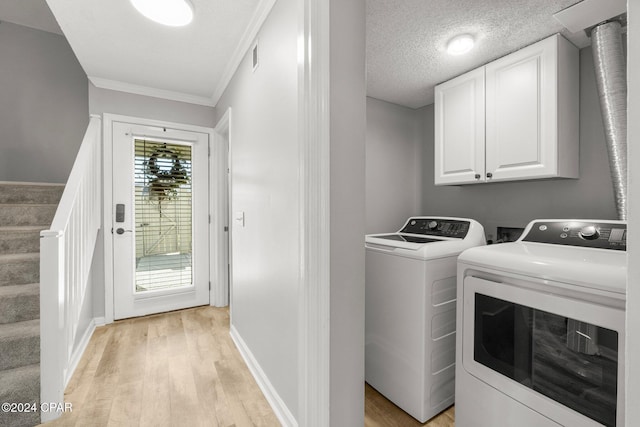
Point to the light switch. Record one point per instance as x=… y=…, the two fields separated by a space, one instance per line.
x=239 y=217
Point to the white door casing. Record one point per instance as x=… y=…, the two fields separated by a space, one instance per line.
x=125 y=302
x=220 y=183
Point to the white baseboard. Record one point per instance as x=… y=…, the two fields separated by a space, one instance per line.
x=283 y=414
x=79 y=350
x=100 y=321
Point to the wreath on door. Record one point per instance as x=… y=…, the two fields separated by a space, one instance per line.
x=166 y=174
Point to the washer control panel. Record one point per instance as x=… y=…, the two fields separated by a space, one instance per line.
x=436 y=227
x=602 y=235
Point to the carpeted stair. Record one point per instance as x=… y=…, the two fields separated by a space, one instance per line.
x=25 y=209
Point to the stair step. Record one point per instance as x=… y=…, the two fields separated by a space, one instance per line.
x=19 y=303
x=19 y=344
x=20 y=240
x=27 y=214
x=20 y=385
x=19 y=269
x=26 y=192
x=25 y=210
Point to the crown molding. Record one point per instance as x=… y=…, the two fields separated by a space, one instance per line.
x=151 y=91
x=246 y=41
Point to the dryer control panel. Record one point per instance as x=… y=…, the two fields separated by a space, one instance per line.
x=441 y=227
x=586 y=234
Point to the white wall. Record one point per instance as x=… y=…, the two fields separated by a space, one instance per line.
x=393 y=178
x=43 y=105
x=347 y=210
x=633 y=237
x=129 y=104
x=265 y=183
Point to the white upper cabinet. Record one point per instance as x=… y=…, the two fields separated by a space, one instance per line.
x=459 y=118
x=528 y=118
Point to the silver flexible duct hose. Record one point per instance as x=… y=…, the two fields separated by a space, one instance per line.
x=611 y=77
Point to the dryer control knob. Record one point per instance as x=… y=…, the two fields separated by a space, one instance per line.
x=432 y=225
x=590 y=232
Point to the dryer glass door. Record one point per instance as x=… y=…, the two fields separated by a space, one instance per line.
x=542 y=348
x=571 y=362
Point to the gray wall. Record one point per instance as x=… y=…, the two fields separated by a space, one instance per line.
x=347 y=210
x=97 y=275
x=43 y=105
x=510 y=204
x=265 y=171
x=264 y=177
x=394 y=150
x=129 y=104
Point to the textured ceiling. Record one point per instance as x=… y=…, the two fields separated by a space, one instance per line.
x=406 y=40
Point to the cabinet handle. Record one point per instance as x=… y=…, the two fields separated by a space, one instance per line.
x=477 y=176
x=489 y=175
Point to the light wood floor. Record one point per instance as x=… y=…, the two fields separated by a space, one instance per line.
x=380 y=412
x=182 y=369
x=172 y=369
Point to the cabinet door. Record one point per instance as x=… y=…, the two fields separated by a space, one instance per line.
x=459 y=129
x=521 y=103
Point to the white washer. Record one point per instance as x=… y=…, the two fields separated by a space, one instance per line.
x=410 y=311
x=541 y=328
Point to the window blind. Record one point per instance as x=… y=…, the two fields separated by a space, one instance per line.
x=163 y=215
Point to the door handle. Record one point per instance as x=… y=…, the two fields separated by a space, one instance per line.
x=122 y=231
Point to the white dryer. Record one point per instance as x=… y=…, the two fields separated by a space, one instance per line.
x=410 y=311
x=541 y=328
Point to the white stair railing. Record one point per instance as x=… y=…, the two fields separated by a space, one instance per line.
x=66 y=254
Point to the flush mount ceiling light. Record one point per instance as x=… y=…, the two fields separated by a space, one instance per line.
x=460 y=45
x=174 y=13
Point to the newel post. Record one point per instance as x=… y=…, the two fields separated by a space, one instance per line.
x=52 y=338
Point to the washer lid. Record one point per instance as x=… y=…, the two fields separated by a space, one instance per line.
x=400 y=237
x=407 y=242
x=429 y=237
x=592 y=268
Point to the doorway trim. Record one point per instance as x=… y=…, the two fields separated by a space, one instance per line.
x=107 y=193
x=220 y=192
x=314 y=127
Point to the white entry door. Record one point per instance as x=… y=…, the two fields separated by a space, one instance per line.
x=160 y=219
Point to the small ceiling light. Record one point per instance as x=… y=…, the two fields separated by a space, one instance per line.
x=174 y=13
x=460 y=44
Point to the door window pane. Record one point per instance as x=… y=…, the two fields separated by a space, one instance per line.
x=163 y=200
